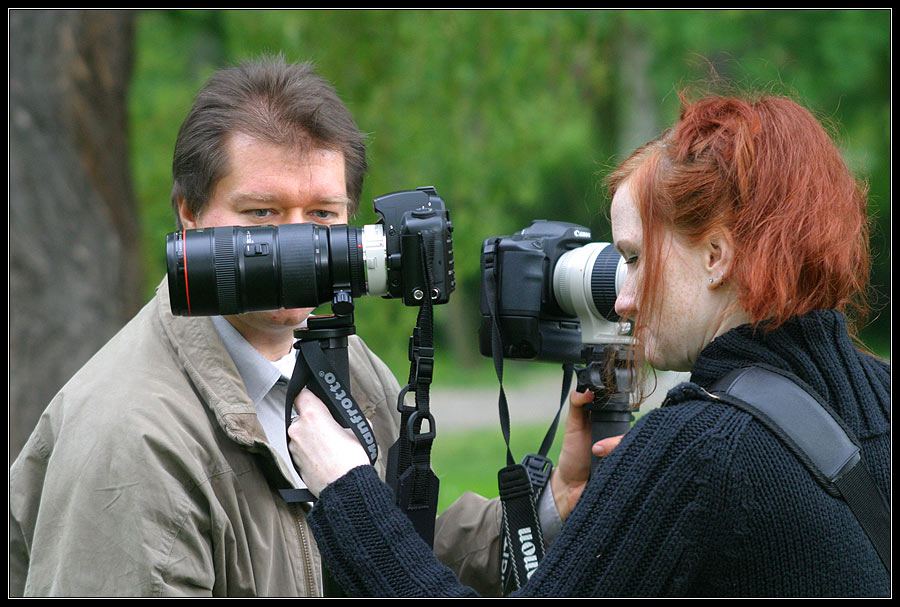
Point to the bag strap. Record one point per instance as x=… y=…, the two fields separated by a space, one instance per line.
x=817 y=436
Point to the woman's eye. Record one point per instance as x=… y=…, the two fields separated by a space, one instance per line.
x=631 y=259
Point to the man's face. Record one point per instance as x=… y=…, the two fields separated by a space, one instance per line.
x=267 y=184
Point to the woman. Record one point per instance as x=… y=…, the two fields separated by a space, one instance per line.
x=746 y=241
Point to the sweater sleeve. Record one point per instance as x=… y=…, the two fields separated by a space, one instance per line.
x=697 y=500
x=644 y=526
x=652 y=513
x=371 y=547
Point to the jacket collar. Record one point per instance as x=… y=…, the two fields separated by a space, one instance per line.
x=208 y=364
x=257 y=373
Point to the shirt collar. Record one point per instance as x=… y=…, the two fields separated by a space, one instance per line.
x=258 y=373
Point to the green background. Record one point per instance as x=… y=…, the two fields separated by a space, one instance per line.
x=516 y=115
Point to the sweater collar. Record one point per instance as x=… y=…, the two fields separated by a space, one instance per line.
x=792 y=346
x=817 y=348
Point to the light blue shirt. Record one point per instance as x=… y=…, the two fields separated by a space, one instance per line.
x=266 y=384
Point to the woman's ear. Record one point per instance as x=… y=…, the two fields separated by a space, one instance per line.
x=719 y=256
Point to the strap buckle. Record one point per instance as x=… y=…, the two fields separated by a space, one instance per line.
x=539 y=468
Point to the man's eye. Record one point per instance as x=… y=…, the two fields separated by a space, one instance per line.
x=260 y=213
x=322 y=214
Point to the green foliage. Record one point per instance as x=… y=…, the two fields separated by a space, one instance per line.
x=514 y=115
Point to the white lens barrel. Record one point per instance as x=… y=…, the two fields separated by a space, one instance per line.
x=374 y=247
x=580 y=285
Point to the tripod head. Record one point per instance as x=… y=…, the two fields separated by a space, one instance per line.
x=607 y=374
x=323 y=366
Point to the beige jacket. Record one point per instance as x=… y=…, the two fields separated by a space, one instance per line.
x=149 y=474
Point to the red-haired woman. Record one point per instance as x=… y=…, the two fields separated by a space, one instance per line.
x=746 y=241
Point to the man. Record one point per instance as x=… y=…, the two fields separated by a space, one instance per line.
x=156 y=470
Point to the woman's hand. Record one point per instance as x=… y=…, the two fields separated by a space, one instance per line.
x=569 y=478
x=322 y=450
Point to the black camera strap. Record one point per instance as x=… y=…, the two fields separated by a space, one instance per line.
x=817 y=436
x=520 y=484
x=327 y=376
x=409 y=470
x=520 y=487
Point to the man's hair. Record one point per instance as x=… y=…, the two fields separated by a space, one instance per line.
x=765 y=169
x=277 y=102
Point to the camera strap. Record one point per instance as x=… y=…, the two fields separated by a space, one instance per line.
x=520 y=485
x=817 y=436
x=409 y=470
x=329 y=382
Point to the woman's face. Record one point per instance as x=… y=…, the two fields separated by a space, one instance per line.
x=693 y=303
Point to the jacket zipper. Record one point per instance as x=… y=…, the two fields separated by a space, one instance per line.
x=311 y=586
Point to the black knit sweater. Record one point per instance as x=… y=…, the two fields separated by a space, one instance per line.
x=697 y=500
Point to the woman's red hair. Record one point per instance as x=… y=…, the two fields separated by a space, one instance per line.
x=766 y=170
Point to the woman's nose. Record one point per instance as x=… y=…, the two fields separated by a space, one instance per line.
x=626 y=306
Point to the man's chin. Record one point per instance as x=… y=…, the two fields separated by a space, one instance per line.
x=273 y=319
x=287 y=318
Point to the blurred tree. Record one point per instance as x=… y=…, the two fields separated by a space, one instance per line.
x=515 y=114
x=74 y=270
x=512 y=115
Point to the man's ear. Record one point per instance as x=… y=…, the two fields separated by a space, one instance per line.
x=188 y=218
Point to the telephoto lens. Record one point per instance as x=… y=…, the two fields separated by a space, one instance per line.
x=586 y=282
x=588 y=279
x=231 y=270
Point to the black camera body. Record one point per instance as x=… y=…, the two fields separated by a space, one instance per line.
x=548 y=294
x=231 y=270
x=405 y=216
x=551 y=292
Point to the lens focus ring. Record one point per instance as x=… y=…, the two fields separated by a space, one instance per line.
x=354 y=250
x=226 y=272
x=297 y=246
x=603 y=282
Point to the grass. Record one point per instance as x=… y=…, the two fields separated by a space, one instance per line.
x=469 y=461
x=481 y=371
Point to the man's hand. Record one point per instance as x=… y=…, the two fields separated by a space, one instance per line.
x=322 y=450
x=569 y=478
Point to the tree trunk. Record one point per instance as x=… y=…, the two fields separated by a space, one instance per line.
x=638 y=113
x=74 y=261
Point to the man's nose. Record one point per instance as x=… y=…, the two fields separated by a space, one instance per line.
x=295 y=216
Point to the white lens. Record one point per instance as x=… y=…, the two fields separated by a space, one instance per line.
x=375 y=259
x=578 y=284
x=586 y=282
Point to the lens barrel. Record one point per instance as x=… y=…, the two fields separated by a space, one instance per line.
x=588 y=279
x=604 y=287
x=231 y=270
